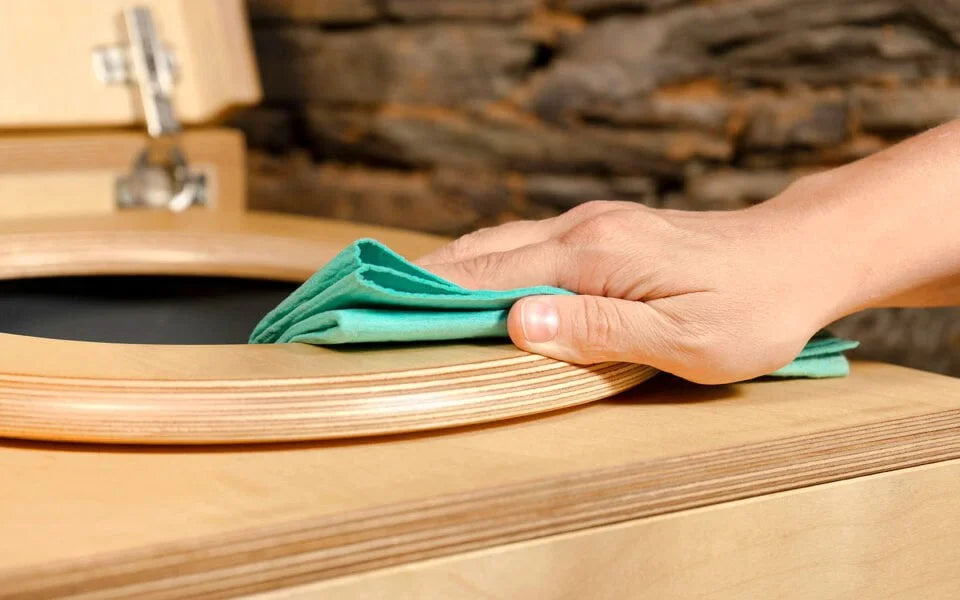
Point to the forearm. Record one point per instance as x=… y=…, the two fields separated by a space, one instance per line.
x=885 y=230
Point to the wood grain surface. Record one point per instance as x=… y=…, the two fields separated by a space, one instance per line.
x=131 y=393
x=74 y=174
x=159 y=394
x=891 y=535
x=104 y=522
x=49 y=81
x=254 y=245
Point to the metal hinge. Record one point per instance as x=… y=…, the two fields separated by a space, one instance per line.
x=160 y=176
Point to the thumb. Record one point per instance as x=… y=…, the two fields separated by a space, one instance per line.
x=591 y=329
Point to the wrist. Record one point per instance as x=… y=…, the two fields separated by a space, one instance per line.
x=825 y=265
x=883 y=230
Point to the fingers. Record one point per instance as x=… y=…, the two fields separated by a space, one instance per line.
x=517 y=234
x=547 y=263
x=502 y=238
x=592 y=329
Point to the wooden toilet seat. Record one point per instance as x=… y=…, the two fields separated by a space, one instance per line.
x=77 y=202
x=827 y=487
x=55 y=389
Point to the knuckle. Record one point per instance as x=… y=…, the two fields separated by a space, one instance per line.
x=593 y=207
x=461 y=246
x=476 y=271
x=594 y=231
x=596 y=328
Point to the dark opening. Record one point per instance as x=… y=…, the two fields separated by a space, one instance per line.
x=138 y=309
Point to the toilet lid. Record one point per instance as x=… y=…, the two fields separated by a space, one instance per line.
x=55 y=389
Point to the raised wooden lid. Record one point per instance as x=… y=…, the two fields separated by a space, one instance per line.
x=46 y=61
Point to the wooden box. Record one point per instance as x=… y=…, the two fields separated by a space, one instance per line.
x=496 y=474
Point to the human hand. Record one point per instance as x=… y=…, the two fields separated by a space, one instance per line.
x=712 y=297
x=723 y=296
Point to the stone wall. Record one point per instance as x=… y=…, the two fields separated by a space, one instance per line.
x=447 y=115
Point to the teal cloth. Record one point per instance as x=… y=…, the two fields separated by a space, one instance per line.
x=369 y=293
x=821 y=357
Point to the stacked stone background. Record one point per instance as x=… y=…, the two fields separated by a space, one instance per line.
x=448 y=115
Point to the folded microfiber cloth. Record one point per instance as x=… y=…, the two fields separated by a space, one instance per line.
x=821 y=357
x=368 y=293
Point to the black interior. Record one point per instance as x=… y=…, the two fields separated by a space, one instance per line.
x=138 y=309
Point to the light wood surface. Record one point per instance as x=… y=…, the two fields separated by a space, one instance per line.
x=210 y=523
x=46 y=61
x=125 y=393
x=892 y=535
x=74 y=174
x=256 y=245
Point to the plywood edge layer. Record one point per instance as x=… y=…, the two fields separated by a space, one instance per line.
x=109 y=411
x=754 y=548
x=294 y=553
